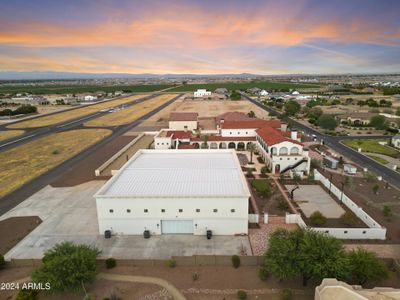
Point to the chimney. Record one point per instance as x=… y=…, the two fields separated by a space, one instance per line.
x=283 y=127
x=293 y=135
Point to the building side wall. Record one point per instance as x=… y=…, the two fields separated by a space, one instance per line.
x=238 y=132
x=222 y=222
x=180 y=125
x=162 y=142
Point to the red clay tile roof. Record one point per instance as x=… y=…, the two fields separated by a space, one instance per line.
x=231 y=116
x=251 y=123
x=179 y=134
x=183 y=116
x=272 y=136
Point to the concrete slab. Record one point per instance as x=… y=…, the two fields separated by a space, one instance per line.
x=69 y=214
x=311 y=198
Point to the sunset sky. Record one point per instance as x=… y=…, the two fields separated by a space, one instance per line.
x=201 y=37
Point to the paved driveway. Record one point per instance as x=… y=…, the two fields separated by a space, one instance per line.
x=69 y=214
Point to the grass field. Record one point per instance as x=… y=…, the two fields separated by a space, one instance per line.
x=9 y=134
x=24 y=163
x=68 y=89
x=76 y=113
x=371 y=146
x=131 y=113
x=378 y=159
x=261 y=185
x=243 y=86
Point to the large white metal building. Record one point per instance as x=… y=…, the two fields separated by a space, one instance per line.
x=176 y=192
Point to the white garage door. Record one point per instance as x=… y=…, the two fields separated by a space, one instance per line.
x=177 y=226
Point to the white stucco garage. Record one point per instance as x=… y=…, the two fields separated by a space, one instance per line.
x=176 y=192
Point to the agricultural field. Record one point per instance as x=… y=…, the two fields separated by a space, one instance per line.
x=70 y=89
x=372 y=146
x=243 y=86
x=73 y=114
x=7 y=134
x=24 y=163
x=131 y=113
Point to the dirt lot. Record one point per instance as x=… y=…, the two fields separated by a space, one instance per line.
x=360 y=191
x=7 y=134
x=213 y=283
x=13 y=230
x=205 y=109
x=23 y=163
x=84 y=171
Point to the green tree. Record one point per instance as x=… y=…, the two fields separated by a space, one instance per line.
x=327 y=122
x=322 y=256
x=307 y=253
x=251 y=147
x=251 y=114
x=281 y=259
x=235 y=96
x=67 y=267
x=315 y=113
x=292 y=107
x=398 y=111
x=375 y=189
x=366 y=266
x=379 y=122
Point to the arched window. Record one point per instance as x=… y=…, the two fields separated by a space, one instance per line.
x=283 y=151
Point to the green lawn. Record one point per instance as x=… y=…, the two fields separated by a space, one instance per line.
x=378 y=159
x=371 y=146
x=261 y=185
x=75 y=89
x=283 y=86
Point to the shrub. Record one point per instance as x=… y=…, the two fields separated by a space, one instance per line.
x=242 y=295
x=349 y=219
x=375 y=189
x=260 y=159
x=26 y=294
x=287 y=294
x=282 y=204
x=2 y=262
x=263 y=273
x=171 y=263
x=195 y=276
x=264 y=171
x=111 y=263
x=235 y=261
x=387 y=211
x=55 y=152
x=317 y=219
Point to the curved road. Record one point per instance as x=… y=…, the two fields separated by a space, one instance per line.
x=333 y=142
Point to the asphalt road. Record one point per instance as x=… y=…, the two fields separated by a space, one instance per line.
x=333 y=142
x=35 y=133
x=11 y=200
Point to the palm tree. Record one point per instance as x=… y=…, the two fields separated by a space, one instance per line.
x=251 y=147
x=205 y=140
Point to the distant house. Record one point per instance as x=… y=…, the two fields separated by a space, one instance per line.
x=263 y=93
x=396 y=141
x=221 y=91
x=295 y=93
x=201 y=93
x=254 y=91
x=362 y=118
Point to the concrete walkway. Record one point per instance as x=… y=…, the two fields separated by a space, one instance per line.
x=174 y=292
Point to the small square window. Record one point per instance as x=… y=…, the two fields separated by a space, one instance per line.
x=180 y=210
x=163 y=210
x=128 y=210
x=146 y=210
x=198 y=210
x=215 y=210
x=111 y=210
x=364 y=232
x=232 y=210
x=345 y=231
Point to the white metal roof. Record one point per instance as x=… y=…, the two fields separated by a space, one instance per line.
x=178 y=173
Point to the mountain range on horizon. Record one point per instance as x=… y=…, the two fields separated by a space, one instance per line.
x=54 y=75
